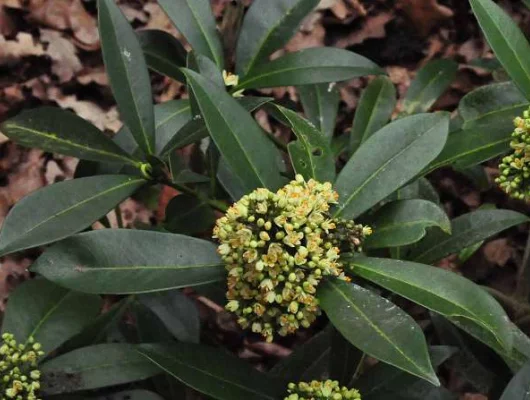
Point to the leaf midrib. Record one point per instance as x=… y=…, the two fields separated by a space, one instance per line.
x=245 y=84
x=11 y=125
x=66 y=210
x=261 y=44
x=343 y=206
x=176 y=361
x=376 y=329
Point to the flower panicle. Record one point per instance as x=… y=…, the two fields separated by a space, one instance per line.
x=277 y=247
x=514 y=169
x=318 y=390
x=20 y=377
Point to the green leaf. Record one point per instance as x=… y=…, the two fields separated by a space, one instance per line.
x=314 y=65
x=471 y=147
x=307 y=361
x=61 y=131
x=420 y=188
x=389 y=159
x=267 y=27
x=374 y=110
x=196 y=130
x=383 y=381
x=129 y=79
x=95 y=367
x=439 y=290
x=465 y=363
x=188 y=215
x=404 y=222
x=195 y=21
x=430 y=83
x=130 y=395
x=48 y=313
x=121 y=261
x=238 y=137
x=506 y=40
x=466 y=230
x=346 y=361
x=62 y=209
x=517 y=389
x=492 y=107
x=178 y=313
x=377 y=327
x=310 y=154
x=163 y=53
x=98 y=330
x=321 y=105
x=170 y=118
x=213 y=372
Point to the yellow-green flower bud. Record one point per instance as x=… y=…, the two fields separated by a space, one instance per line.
x=317 y=390
x=272 y=243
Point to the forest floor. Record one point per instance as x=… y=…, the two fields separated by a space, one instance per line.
x=50 y=54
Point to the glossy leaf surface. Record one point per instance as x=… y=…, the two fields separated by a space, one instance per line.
x=404 y=222
x=48 y=313
x=122 y=261
x=376 y=326
x=127 y=70
x=389 y=159
x=314 y=65
x=62 y=209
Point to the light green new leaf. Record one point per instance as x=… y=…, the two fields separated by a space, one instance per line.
x=506 y=40
x=170 y=117
x=470 y=147
x=238 y=137
x=387 y=160
x=122 y=261
x=492 y=107
x=59 y=131
x=95 y=367
x=430 y=83
x=305 y=67
x=321 y=105
x=267 y=27
x=377 y=327
x=374 y=110
x=404 y=222
x=163 y=53
x=62 y=209
x=127 y=70
x=195 y=21
x=48 y=313
x=467 y=230
x=213 y=372
x=310 y=153
x=439 y=290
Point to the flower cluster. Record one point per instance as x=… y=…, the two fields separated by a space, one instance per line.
x=515 y=168
x=316 y=390
x=18 y=369
x=277 y=248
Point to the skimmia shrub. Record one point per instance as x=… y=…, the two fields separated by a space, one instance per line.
x=322 y=234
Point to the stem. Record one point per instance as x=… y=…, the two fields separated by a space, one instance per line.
x=522 y=291
x=217 y=204
x=119 y=217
